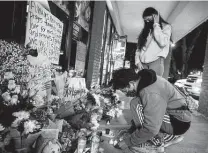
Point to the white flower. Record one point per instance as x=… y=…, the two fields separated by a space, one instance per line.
x=94 y=121
x=1 y=127
x=71 y=73
x=97 y=99
x=116 y=97
x=24 y=93
x=6 y=96
x=111 y=113
x=30 y=126
x=53 y=97
x=8 y=75
x=107 y=101
x=11 y=84
x=14 y=100
x=119 y=112
x=21 y=115
x=38 y=100
x=17 y=89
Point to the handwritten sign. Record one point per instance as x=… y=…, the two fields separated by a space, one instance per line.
x=39 y=73
x=44 y=31
x=75 y=88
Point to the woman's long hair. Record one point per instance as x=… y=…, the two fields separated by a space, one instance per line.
x=148 y=27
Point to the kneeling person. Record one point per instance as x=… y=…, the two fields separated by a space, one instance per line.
x=159 y=110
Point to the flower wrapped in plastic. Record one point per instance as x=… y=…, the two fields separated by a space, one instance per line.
x=16 y=99
x=31 y=126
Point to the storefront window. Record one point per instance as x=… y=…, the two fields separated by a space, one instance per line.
x=62 y=13
x=81 y=35
x=12 y=15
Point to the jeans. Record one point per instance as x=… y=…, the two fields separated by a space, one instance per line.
x=157 y=66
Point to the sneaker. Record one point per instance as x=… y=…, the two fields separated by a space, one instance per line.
x=172 y=140
x=147 y=148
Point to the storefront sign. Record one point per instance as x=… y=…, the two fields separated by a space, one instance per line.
x=44 y=31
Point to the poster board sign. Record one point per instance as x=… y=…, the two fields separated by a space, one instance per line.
x=119 y=53
x=44 y=31
x=75 y=88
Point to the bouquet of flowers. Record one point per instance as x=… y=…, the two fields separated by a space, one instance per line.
x=17 y=101
x=110 y=103
x=13 y=59
x=68 y=138
x=15 y=98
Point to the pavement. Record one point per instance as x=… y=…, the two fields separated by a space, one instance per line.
x=195 y=140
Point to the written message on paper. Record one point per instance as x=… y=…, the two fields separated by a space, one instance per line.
x=74 y=89
x=44 y=32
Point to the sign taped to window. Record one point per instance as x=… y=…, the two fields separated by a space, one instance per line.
x=44 y=31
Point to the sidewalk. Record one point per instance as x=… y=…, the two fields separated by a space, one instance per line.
x=196 y=139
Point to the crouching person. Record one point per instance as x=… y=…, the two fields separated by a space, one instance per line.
x=160 y=113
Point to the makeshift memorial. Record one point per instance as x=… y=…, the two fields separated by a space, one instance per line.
x=110 y=103
x=88 y=113
x=5 y=139
x=60 y=80
x=47 y=145
x=95 y=143
x=82 y=141
x=19 y=102
x=67 y=138
x=13 y=62
x=74 y=90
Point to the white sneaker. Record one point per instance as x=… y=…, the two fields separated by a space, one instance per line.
x=175 y=140
x=147 y=148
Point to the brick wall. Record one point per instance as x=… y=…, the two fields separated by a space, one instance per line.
x=93 y=70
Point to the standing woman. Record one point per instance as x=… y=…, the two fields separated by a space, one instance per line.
x=153 y=42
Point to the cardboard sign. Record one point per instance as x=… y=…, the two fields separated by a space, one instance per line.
x=44 y=31
x=75 y=88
